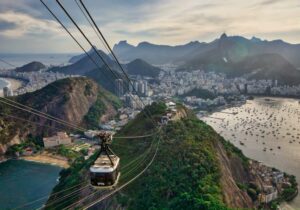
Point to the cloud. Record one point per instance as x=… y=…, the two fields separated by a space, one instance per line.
x=269 y=2
x=18 y=24
x=158 y=21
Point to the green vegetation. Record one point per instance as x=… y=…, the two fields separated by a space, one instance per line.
x=67 y=152
x=55 y=99
x=289 y=193
x=74 y=176
x=96 y=111
x=104 y=99
x=185 y=174
x=200 y=93
x=142 y=124
x=232 y=150
x=20 y=148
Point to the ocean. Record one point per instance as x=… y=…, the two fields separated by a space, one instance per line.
x=265 y=129
x=24 y=182
x=22 y=59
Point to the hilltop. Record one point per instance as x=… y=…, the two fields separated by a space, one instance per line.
x=77 y=100
x=141 y=67
x=195 y=168
x=82 y=64
x=32 y=66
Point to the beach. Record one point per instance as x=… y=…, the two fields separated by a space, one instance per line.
x=11 y=83
x=48 y=158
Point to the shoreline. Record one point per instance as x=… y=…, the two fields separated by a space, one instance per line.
x=47 y=158
x=289 y=203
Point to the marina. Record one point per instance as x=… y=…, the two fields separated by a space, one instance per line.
x=266 y=130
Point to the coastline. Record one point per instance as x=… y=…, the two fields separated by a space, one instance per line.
x=2 y=159
x=291 y=202
x=48 y=158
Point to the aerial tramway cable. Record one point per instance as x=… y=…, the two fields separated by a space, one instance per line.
x=91 y=24
x=109 y=68
x=37 y=114
x=127 y=183
x=119 y=188
x=44 y=197
x=22 y=119
x=125 y=174
x=43 y=113
x=107 y=46
x=30 y=110
x=96 y=51
x=103 y=60
x=76 y=41
x=7 y=63
x=72 y=193
x=25 y=108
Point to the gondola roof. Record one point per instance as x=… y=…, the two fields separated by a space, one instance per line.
x=103 y=164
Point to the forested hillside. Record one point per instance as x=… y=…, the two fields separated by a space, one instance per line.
x=185 y=174
x=79 y=101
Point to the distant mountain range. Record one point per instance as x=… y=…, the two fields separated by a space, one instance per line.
x=155 y=54
x=84 y=66
x=234 y=56
x=236 y=47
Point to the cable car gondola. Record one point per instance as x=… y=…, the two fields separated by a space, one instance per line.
x=105 y=170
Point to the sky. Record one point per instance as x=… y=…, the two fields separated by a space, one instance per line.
x=27 y=27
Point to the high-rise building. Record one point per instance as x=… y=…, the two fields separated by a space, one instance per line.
x=7 y=92
x=136 y=86
x=141 y=88
x=119 y=87
x=146 y=88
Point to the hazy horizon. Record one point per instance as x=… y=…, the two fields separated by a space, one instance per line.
x=136 y=44
x=26 y=26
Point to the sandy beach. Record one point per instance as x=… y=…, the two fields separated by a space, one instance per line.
x=12 y=83
x=48 y=158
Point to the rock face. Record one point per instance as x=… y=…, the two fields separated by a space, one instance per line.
x=69 y=100
x=233 y=172
x=4 y=147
